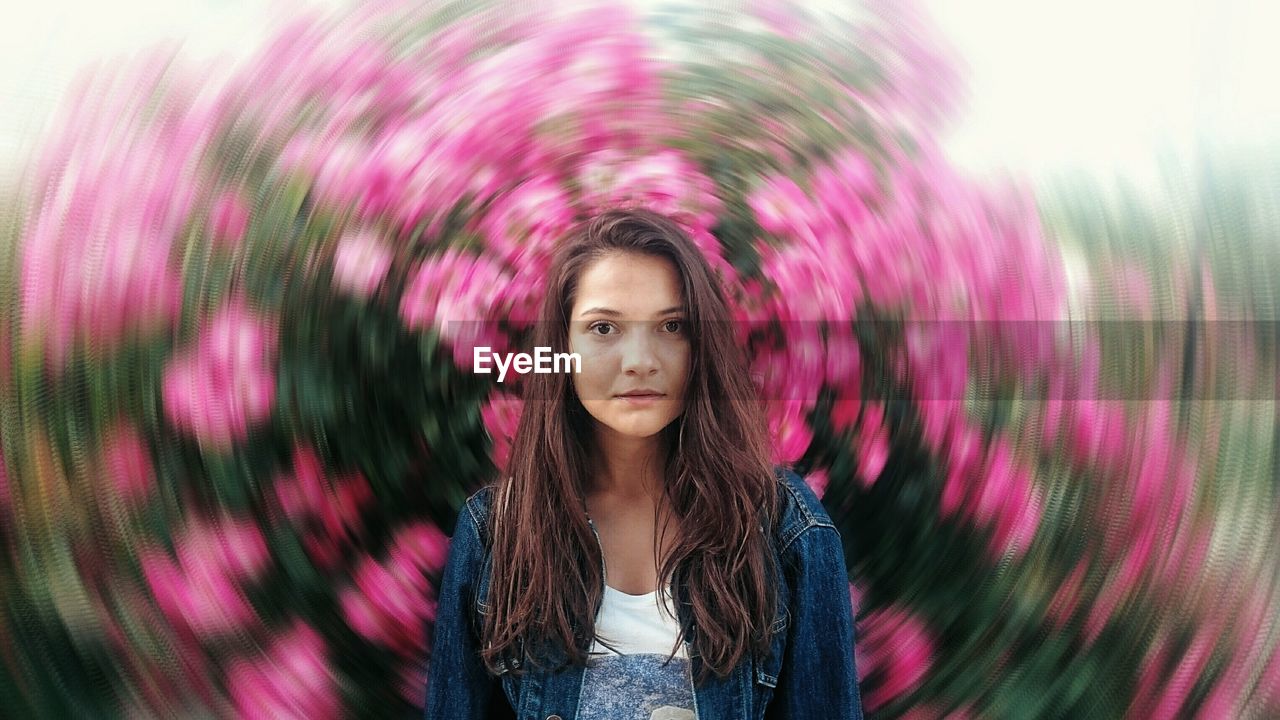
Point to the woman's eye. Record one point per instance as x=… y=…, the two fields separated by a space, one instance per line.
x=673 y=326
x=601 y=328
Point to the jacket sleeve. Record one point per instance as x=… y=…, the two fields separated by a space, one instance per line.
x=818 y=677
x=458 y=686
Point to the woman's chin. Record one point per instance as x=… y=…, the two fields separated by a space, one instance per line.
x=639 y=427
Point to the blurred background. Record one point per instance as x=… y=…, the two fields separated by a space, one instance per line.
x=1098 y=86
x=1005 y=271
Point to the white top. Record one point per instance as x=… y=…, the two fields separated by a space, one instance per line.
x=636 y=624
x=634 y=681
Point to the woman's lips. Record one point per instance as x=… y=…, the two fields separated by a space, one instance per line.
x=642 y=399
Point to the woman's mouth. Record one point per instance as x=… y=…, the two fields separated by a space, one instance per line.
x=641 y=397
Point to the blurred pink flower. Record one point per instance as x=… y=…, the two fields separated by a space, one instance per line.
x=1161 y=482
x=793 y=373
x=809 y=287
x=1133 y=290
x=501 y=415
x=1007 y=501
x=522 y=229
x=389 y=604
x=1067 y=598
x=233 y=546
x=226 y=381
x=840 y=205
x=606 y=75
x=114 y=185
x=1160 y=695
x=1097 y=431
x=300 y=492
x=844 y=362
x=327 y=511
x=229 y=218
x=787 y=21
x=292 y=680
x=520 y=300
x=871 y=443
x=455 y=293
x=201 y=590
x=337 y=166
x=1019 y=519
x=936 y=369
x=1269 y=682
x=127 y=462
x=790 y=430
x=963 y=457
x=454 y=128
x=845 y=413
x=420 y=545
x=665 y=182
x=848 y=174
x=941 y=420
x=984 y=485
x=204 y=599
x=895 y=644
x=1233 y=686
x=360 y=263
x=1185 y=559
x=922 y=85
x=784 y=209
x=411 y=680
x=523 y=226
x=841 y=217
x=753 y=309
x=817 y=481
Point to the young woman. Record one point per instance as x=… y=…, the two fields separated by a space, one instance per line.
x=642 y=558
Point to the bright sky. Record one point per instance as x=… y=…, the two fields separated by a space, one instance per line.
x=1100 y=84
x=1091 y=84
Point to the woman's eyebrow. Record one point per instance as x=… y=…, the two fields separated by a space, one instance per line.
x=599 y=311
x=614 y=313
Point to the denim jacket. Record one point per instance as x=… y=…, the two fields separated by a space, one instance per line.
x=808 y=673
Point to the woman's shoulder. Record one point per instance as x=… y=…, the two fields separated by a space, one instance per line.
x=477 y=507
x=799 y=507
x=481 y=500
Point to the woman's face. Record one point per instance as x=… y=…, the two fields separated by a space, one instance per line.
x=628 y=323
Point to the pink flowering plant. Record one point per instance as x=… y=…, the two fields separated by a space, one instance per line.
x=240 y=413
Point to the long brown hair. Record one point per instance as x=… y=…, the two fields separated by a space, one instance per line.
x=546 y=578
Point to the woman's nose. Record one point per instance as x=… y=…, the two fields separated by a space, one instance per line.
x=639 y=354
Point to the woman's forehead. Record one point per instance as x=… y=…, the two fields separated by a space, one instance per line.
x=630 y=285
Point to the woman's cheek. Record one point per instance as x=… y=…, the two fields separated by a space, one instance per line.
x=595 y=381
x=676 y=365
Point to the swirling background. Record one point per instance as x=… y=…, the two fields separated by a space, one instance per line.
x=237 y=413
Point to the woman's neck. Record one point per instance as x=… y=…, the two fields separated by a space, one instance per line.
x=626 y=466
